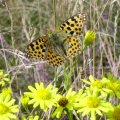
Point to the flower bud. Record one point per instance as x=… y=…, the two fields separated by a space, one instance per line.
x=89 y=38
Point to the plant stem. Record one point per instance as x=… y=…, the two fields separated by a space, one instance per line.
x=54 y=10
x=70 y=115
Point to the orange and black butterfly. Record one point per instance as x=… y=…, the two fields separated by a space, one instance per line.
x=43 y=49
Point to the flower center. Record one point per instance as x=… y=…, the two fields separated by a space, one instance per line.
x=63 y=102
x=44 y=94
x=3 y=109
x=92 y=102
x=116 y=113
x=97 y=84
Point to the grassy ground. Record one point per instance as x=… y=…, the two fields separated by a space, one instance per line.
x=22 y=21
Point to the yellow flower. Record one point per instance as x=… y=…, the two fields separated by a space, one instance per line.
x=113 y=84
x=114 y=114
x=7 y=108
x=115 y=87
x=89 y=38
x=99 y=84
x=22 y=118
x=34 y=117
x=65 y=103
x=3 y=78
x=6 y=92
x=93 y=103
x=45 y=97
x=24 y=100
x=79 y=97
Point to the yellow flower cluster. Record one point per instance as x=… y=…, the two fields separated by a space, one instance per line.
x=90 y=101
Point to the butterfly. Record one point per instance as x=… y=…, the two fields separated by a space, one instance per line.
x=43 y=49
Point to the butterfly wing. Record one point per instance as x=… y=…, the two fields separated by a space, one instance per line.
x=74 y=48
x=74 y=24
x=39 y=49
x=54 y=59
